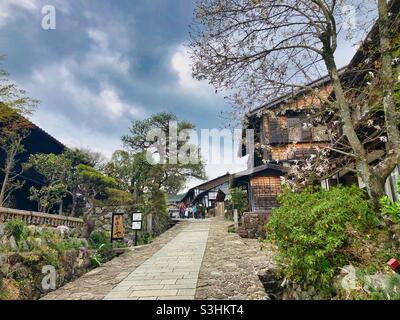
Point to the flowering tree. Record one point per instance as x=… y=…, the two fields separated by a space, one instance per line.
x=262 y=49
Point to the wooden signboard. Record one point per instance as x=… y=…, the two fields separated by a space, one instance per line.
x=117 y=230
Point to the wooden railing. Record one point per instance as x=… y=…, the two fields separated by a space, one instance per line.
x=38 y=218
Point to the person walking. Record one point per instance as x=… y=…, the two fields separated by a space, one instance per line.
x=181 y=211
x=190 y=212
x=203 y=212
x=195 y=212
x=186 y=213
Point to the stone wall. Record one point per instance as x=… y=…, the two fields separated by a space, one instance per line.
x=253 y=224
x=21 y=274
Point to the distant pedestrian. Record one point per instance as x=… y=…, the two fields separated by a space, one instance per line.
x=190 y=211
x=181 y=211
x=195 y=212
x=203 y=212
x=186 y=213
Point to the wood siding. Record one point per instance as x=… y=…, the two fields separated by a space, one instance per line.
x=264 y=192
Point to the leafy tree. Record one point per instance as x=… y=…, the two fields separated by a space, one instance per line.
x=62 y=178
x=263 y=49
x=14 y=128
x=238 y=200
x=169 y=174
x=77 y=157
x=56 y=169
x=47 y=196
x=131 y=170
x=155 y=203
x=92 y=184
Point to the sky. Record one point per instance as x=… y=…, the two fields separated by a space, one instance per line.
x=108 y=63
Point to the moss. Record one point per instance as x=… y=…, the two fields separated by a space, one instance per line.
x=9 y=289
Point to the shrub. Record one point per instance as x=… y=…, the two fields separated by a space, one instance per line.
x=16 y=228
x=318 y=231
x=391 y=209
x=98 y=238
x=238 y=200
x=146 y=238
x=392 y=292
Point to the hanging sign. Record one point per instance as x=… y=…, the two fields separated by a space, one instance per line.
x=117 y=228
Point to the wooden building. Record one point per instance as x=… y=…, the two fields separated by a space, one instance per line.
x=38 y=141
x=284 y=133
x=208 y=193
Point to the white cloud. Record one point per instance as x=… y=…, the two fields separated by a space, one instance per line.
x=181 y=65
x=60 y=79
x=76 y=135
x=116 y=106
x=216 y=163
x=8 y=7
x=11 y=9
x=104 y=54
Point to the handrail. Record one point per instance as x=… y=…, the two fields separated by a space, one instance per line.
x=39 y=218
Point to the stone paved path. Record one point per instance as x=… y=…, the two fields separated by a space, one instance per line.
x=96 y=284
x=172 y=272
x=193 y=260
x=231 y=266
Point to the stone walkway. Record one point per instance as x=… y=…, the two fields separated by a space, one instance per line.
x=231 y=266
x=193 y=260
x=172 y=272
x=96 y=284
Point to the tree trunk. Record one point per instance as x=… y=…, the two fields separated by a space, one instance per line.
x=60 y=209
x=89 y=224
x=374 y=183
x=74 y=204
x=4 y=187
x=392 y=116
x=7 y=172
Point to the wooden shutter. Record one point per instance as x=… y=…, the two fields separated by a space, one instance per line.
x=276 y=133
x=294 y=129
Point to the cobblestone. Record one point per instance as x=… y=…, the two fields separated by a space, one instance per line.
x=230 y=266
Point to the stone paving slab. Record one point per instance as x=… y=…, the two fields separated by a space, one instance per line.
x=193 y=260
x=96 y=284
x=172 y=272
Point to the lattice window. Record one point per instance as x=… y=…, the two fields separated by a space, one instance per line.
x=277 y=134
x=298 y=130
x=264 y=192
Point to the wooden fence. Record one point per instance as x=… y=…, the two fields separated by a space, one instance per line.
x=38 y=218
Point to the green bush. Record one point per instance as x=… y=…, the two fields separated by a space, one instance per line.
x=318 y=231
x=146 y=238
x=238 y=200
x=98 y=238
x=392 y=292
x=17 y=228
x=391 y=209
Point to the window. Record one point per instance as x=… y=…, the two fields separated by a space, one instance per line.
x=298 y=130
x=277 y=134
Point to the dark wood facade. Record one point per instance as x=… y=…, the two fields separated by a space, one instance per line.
x=38 y=141
x=208 y=193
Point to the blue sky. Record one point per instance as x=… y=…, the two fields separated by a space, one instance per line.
x=106 y=64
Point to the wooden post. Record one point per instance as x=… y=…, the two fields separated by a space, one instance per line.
x=150 y=223
x=236 y=219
